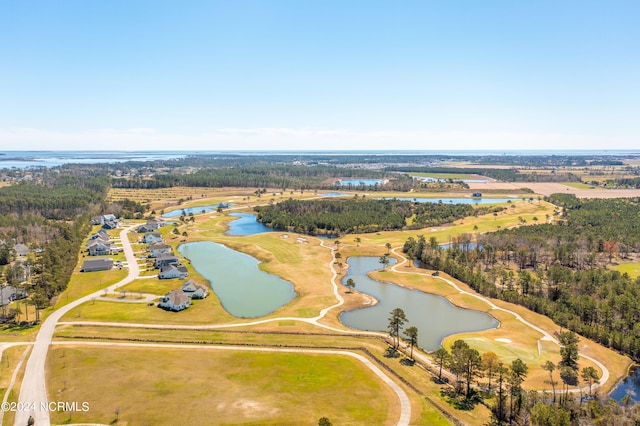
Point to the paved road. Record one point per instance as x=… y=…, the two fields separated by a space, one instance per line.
x=33 y=390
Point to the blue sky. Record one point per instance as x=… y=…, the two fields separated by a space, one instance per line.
x=320 y=74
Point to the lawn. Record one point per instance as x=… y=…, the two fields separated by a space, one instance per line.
x=152 y=386
x=631 y=268
x=83 y=283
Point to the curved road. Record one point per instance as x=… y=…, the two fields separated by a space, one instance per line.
x=33 y=391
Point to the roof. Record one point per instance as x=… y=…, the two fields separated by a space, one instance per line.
x=8 y=294
x=159 y=246
x=166 y=256
x=97 y=263
x=168 y=268
x=176 y=298
x=21 y=249
x=153 y=234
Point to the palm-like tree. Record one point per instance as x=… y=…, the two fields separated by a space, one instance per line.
x=388 y=246
x=396 y=321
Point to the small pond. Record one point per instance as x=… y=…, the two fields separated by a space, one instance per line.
x=246 y=225
x=196 y=210
x=460 y=200
x=244 y=290
x=629 y=386
x=359 y=182
x=334 y=194
x=434 y=316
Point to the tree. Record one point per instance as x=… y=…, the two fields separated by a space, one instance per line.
x=517 y=373
x=550 y=367
x=384 y=260
x=357 y=241
x=350 y=284
x=338 y=256
x=569 y=377
x=569 y=350
x=441 y=356
x=489 y=362
x=388 y=246
x=465 y=363
x=590 y=376
x=549 y=415
x=499 y=411
x=412 y=336
x=396 y=321
x=324 y=421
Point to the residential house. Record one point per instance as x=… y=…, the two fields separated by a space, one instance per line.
x=102 y=234
x=109 y=218
x=99 y=247
x=97 y=220
x=175 y=300
x=112 y=224
x=145 y=228
x=152 y=237
x=172 y=271
x=21 y=250
x=155 y=223
x=8 y=294
x=157 y=249
x=103 y=264
x=195 y=290
x=166 y=259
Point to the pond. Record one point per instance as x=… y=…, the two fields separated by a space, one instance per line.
x=434 y=316
x=244 y=290
x=246 y=225
x=359 y=182
x=196 y=210
x=459 y=200
x=629 y=386
x=334 y=194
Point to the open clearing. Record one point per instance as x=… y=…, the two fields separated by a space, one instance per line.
x=555 y=188
x=222 y=386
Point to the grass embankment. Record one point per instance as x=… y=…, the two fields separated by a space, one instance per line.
x=146 y=385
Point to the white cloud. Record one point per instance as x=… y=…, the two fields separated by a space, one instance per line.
x=301 y=139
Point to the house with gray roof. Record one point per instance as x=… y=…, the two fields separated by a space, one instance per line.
x=152 y=237
x=175 y=300
x=157 y=249
x=195 y=290
x=8 y=294
x=99 y=247
x=166 y=259
x=21 y=250
x=173 y=271
x=92 y=265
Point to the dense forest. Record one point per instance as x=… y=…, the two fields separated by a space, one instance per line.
x=359 y=215
x=506 y=175
x=559 y=269
x=51 y=216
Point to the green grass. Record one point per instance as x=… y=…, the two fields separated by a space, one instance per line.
x=631 y=268
x=83 y=283
x=456 y=176
x=152 y=286
x=577 y=185
x=225 y=387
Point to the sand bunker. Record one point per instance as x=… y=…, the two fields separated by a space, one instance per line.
x=503 y=340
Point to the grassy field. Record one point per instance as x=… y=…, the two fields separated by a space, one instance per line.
x=83 y=283
x=631 y=268
x=8 y=364
x=450 y=175
x=152 y=386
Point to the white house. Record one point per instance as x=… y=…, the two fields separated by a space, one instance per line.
x=155 y=223
x=152 y=237
x=173 y=271
x=91 y=265
x=157 y=249
x=99 y=247
x=195 y=290
x=175 y=300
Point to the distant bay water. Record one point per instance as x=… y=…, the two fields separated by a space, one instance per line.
x=33 y=159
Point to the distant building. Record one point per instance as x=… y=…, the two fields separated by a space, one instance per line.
x=8 y=294
x=92 y=265
x=21 y=250
x=175 y=300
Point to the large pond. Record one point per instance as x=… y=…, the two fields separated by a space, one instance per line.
x=196 y=210
x=244 y=290
x=460 y=200
x=246 y=225
x=434 y=316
